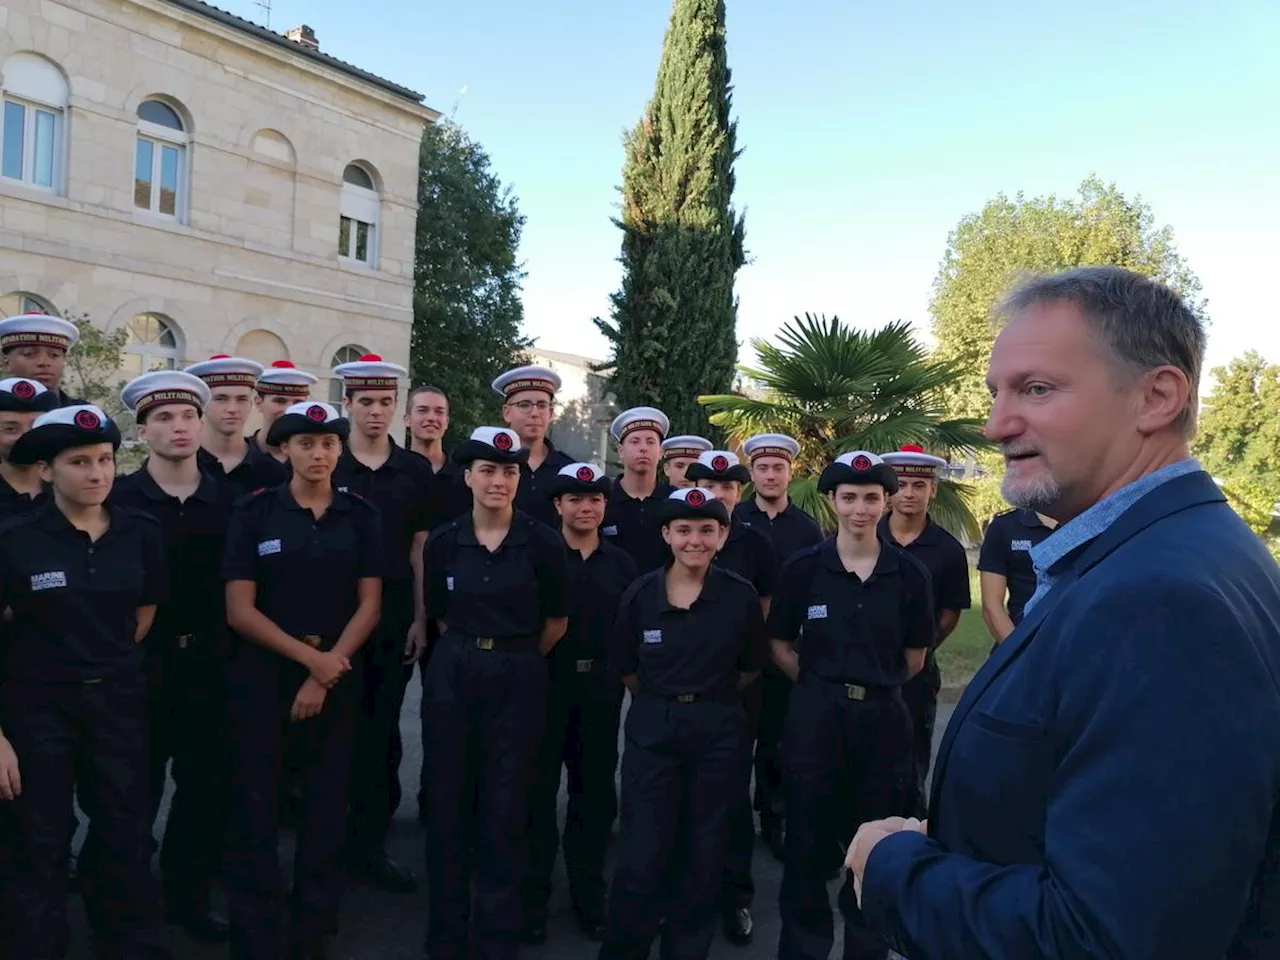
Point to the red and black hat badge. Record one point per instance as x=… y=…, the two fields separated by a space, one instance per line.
x=317 y=413
x=24 y=390
x=695 y=498
x=502 y=441
x=579 y=478
x=859 y=468
x=691 y=503
x=88 y=420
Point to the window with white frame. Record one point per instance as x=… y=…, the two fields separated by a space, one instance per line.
x=160 y=160
x=33 y=93
x=20 y=301
x=358 y=217
x=348 y=354
x=153 y=344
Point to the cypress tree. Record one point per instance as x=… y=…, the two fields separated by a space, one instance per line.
x=674 y=318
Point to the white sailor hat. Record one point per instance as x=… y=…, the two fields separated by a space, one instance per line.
x=370 y=372
x=61 y=429
x=911 y=461
x=222 y=370
x=20 y=395
x=143 y=394
x=771 y=445
x=283 y=379
x=861 y=467
x=579 y=478
x=718 y=465
x=497 y=444
x=37 y=330
x=690 y=503
x=527 y=378
x=688 y=445
x=310 y=416
x=639 y=418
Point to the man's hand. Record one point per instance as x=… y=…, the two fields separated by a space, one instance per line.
x=328 y=668
x=10 y=781
x=415 y=642
x=309 y=701
x=870 y=834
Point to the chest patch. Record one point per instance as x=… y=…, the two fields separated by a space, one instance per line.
x=448 y=583
x=653 y=636
x=268 y=547
x=818 y=611
x=610 y=531
x=48 y=581
x=1023 y=545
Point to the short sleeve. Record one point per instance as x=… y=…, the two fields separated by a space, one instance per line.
x=786 y=609
x=755 y=644
x=553 y=575
x=921 y=627
x=766 y=579
x=155 y=567
x=994 y=555
x=952 y=586
x=369 y=528
x=624 y=640
x=238 y=551
x=435 y=575
x=423 y=515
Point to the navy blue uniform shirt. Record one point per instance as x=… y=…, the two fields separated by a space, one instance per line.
x=256 y=471
x=194 y=532
x=455 y=498
x=75 y=601
x=855 y=631
x=402 y=490
x=749 y=553
x=701 y=650
x=307 y=569
x=790 y=531
x=1005 y=550
x=632 y=524
x=508 y=594
x=596 y=586
x=944 y=558
x=13 y=503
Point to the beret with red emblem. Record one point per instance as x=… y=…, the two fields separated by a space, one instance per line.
x=63 y=429
x=911 y=461
x=690 y=503
x=20 y=395
x=162 y=387
x=283 y=379
x=310 y=416
x=370 y=372
x=37 y=330
x=583 y=478
x=859 y=467
x=495 y=444
x=718 y=466
x=221 y=370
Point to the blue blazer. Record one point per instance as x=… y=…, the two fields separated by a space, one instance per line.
x=1108 y=785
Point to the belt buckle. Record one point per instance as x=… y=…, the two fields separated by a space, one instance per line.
x=313 y=640
x=584 y=666
x=484 y=643
x=686 y=698
x=855 y=692
x=184 y=640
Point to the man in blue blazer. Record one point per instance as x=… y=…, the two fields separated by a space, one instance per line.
x=1108 y=785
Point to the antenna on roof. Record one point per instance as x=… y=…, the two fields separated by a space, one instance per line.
x=266 y=6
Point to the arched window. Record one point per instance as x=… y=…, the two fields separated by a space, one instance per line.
x=153 y=344
x=345 y=354
x=160 y=161
x=358 y=219
x=20 y=301
x=35 y=103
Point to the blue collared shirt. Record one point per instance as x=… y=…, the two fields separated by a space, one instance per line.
x=1081 y=529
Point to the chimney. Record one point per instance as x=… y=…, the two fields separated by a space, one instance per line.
x=303 y=35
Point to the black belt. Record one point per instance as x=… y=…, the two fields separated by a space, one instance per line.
x=856 y=691
x=587 y=665
x=503 y=644
x=695 y=697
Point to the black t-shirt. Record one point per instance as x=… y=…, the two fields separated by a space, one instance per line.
x=791 y=530
x=194 y=532
x=256 y=471
x=75 y=601
x=699 y=651
x=1005 y=550
x=855 y=631
x=595 y=589
x=13 y=503
x=749 y=553
x=402 y=491
x=508 y=594
x=944 y=558
x=307 y=570
x=633 y=525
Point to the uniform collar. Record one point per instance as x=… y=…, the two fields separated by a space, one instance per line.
x=206 y=490
x=886 y=563
x=50 y=518
x=712 y=587
x=285 y=496
x=751 y=506
x=930 y=535
x=517 y=534
x=1028 y=518
x=395 y=460
x=661 y=491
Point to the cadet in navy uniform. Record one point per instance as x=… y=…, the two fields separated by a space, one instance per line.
x=866 y=612
x=495 y=582
x=83 y=581
x=677 y=454
x=278 y=388
x=631 y=516
x=1004 y=567
x=34 y=346
x=585 y=703
x=303 y=567
x=748 y=553
x=528 y=407
x=224 y=448
x=399 y=485
x=689 y=638
x=910 y=527
x=187 y=647
x=791 y=530
x=21 y=401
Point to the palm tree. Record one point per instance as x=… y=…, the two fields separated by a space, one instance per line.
x=837 y=389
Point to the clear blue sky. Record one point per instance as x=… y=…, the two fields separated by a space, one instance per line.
x=869 y=130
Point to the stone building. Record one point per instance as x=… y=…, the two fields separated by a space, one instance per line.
x=204 y=184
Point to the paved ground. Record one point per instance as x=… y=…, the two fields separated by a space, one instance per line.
x=378 y=926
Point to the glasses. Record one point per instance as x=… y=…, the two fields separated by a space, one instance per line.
x=528 y=406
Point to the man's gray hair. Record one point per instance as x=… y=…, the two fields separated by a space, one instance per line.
x=1143 y=323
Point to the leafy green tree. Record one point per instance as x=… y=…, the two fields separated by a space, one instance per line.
x=1239 y=436
x=837 y=389
x=92 y=372
x=674 y=318
x=466 y=308
x=988 y=251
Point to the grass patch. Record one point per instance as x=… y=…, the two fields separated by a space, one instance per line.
x=969 y=644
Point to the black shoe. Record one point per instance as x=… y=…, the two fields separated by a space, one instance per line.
x=592 y=923
x=738 y=926
x=534 y=933
x=196 y=916
x=380 y=871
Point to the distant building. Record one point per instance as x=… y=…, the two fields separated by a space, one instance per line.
x=205 y=184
